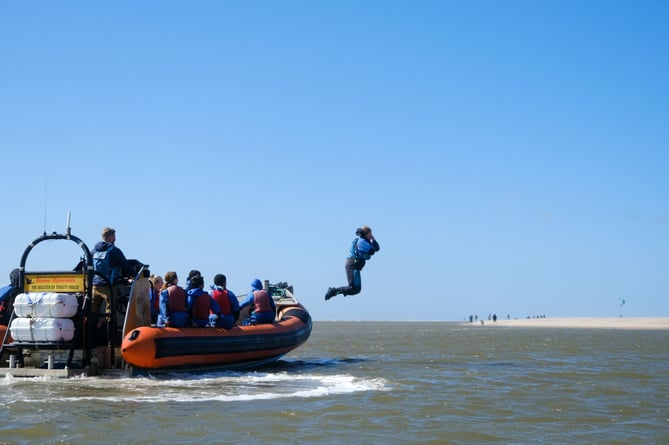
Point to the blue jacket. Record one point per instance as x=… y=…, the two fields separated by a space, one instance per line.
x=255 y=285
x=363 y=249
x=234 y=301
x=5 y=292
x=258 y=317
x=167 y=315
x=117 y=261
x=154 y=300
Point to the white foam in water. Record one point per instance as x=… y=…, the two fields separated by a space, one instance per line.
x=210 y=387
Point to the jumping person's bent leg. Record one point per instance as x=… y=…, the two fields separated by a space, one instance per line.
x=353 y=268
x=354 y=280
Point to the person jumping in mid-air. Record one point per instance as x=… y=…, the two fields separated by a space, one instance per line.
x=362 y=249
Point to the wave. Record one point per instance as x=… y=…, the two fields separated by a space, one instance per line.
x=224 y=386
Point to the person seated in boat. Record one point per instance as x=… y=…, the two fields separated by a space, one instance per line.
x=191 y=274
x=200 y=304
x=154 y=296
x=7 y=295
x=261 y=303
x=226 y=300
x=173 y=308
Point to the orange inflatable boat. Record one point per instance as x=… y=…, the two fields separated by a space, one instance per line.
x=237 y=348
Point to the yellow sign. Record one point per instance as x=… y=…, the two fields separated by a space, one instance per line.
x=54 y=283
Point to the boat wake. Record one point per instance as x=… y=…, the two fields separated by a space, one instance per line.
x=223 y=386
x=312 y=364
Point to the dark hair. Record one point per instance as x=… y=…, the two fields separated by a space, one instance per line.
x=219 y=280
x=192 y=273
x=363 y=231
x=14 y=277
x=196 y=281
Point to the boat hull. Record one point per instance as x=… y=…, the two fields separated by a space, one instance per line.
x=236 y=348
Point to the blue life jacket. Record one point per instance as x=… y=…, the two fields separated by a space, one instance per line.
x=355 y=253
x=368 y=249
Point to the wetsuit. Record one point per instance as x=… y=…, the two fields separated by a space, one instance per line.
x=361 y=251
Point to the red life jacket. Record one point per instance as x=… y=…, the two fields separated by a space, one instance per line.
x=221 y=297
x=156 y=299
x=176 y=299
x=261 y=301
x=201 y=306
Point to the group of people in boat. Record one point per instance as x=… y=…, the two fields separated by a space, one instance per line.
x=171 y=305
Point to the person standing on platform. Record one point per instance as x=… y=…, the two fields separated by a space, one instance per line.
x=109 y=261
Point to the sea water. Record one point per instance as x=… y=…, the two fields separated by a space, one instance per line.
x=376 y=383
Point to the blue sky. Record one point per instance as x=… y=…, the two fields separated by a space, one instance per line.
x=511 y=157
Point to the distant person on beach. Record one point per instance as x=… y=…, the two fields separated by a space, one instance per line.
x=173 y=309
x=227 y=301
x=362 y=249
x=261 y=303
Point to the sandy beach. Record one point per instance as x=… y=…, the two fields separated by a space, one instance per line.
x=581 y=322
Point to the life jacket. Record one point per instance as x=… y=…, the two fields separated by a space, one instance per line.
x=176 y=299
x=358 y=254
x=261 y=301
x=102 y=264
x=154 y=295
x=355 y=253
x=201 y=306
x=223 y=299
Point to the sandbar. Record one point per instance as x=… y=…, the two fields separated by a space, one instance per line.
x=581 y=322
